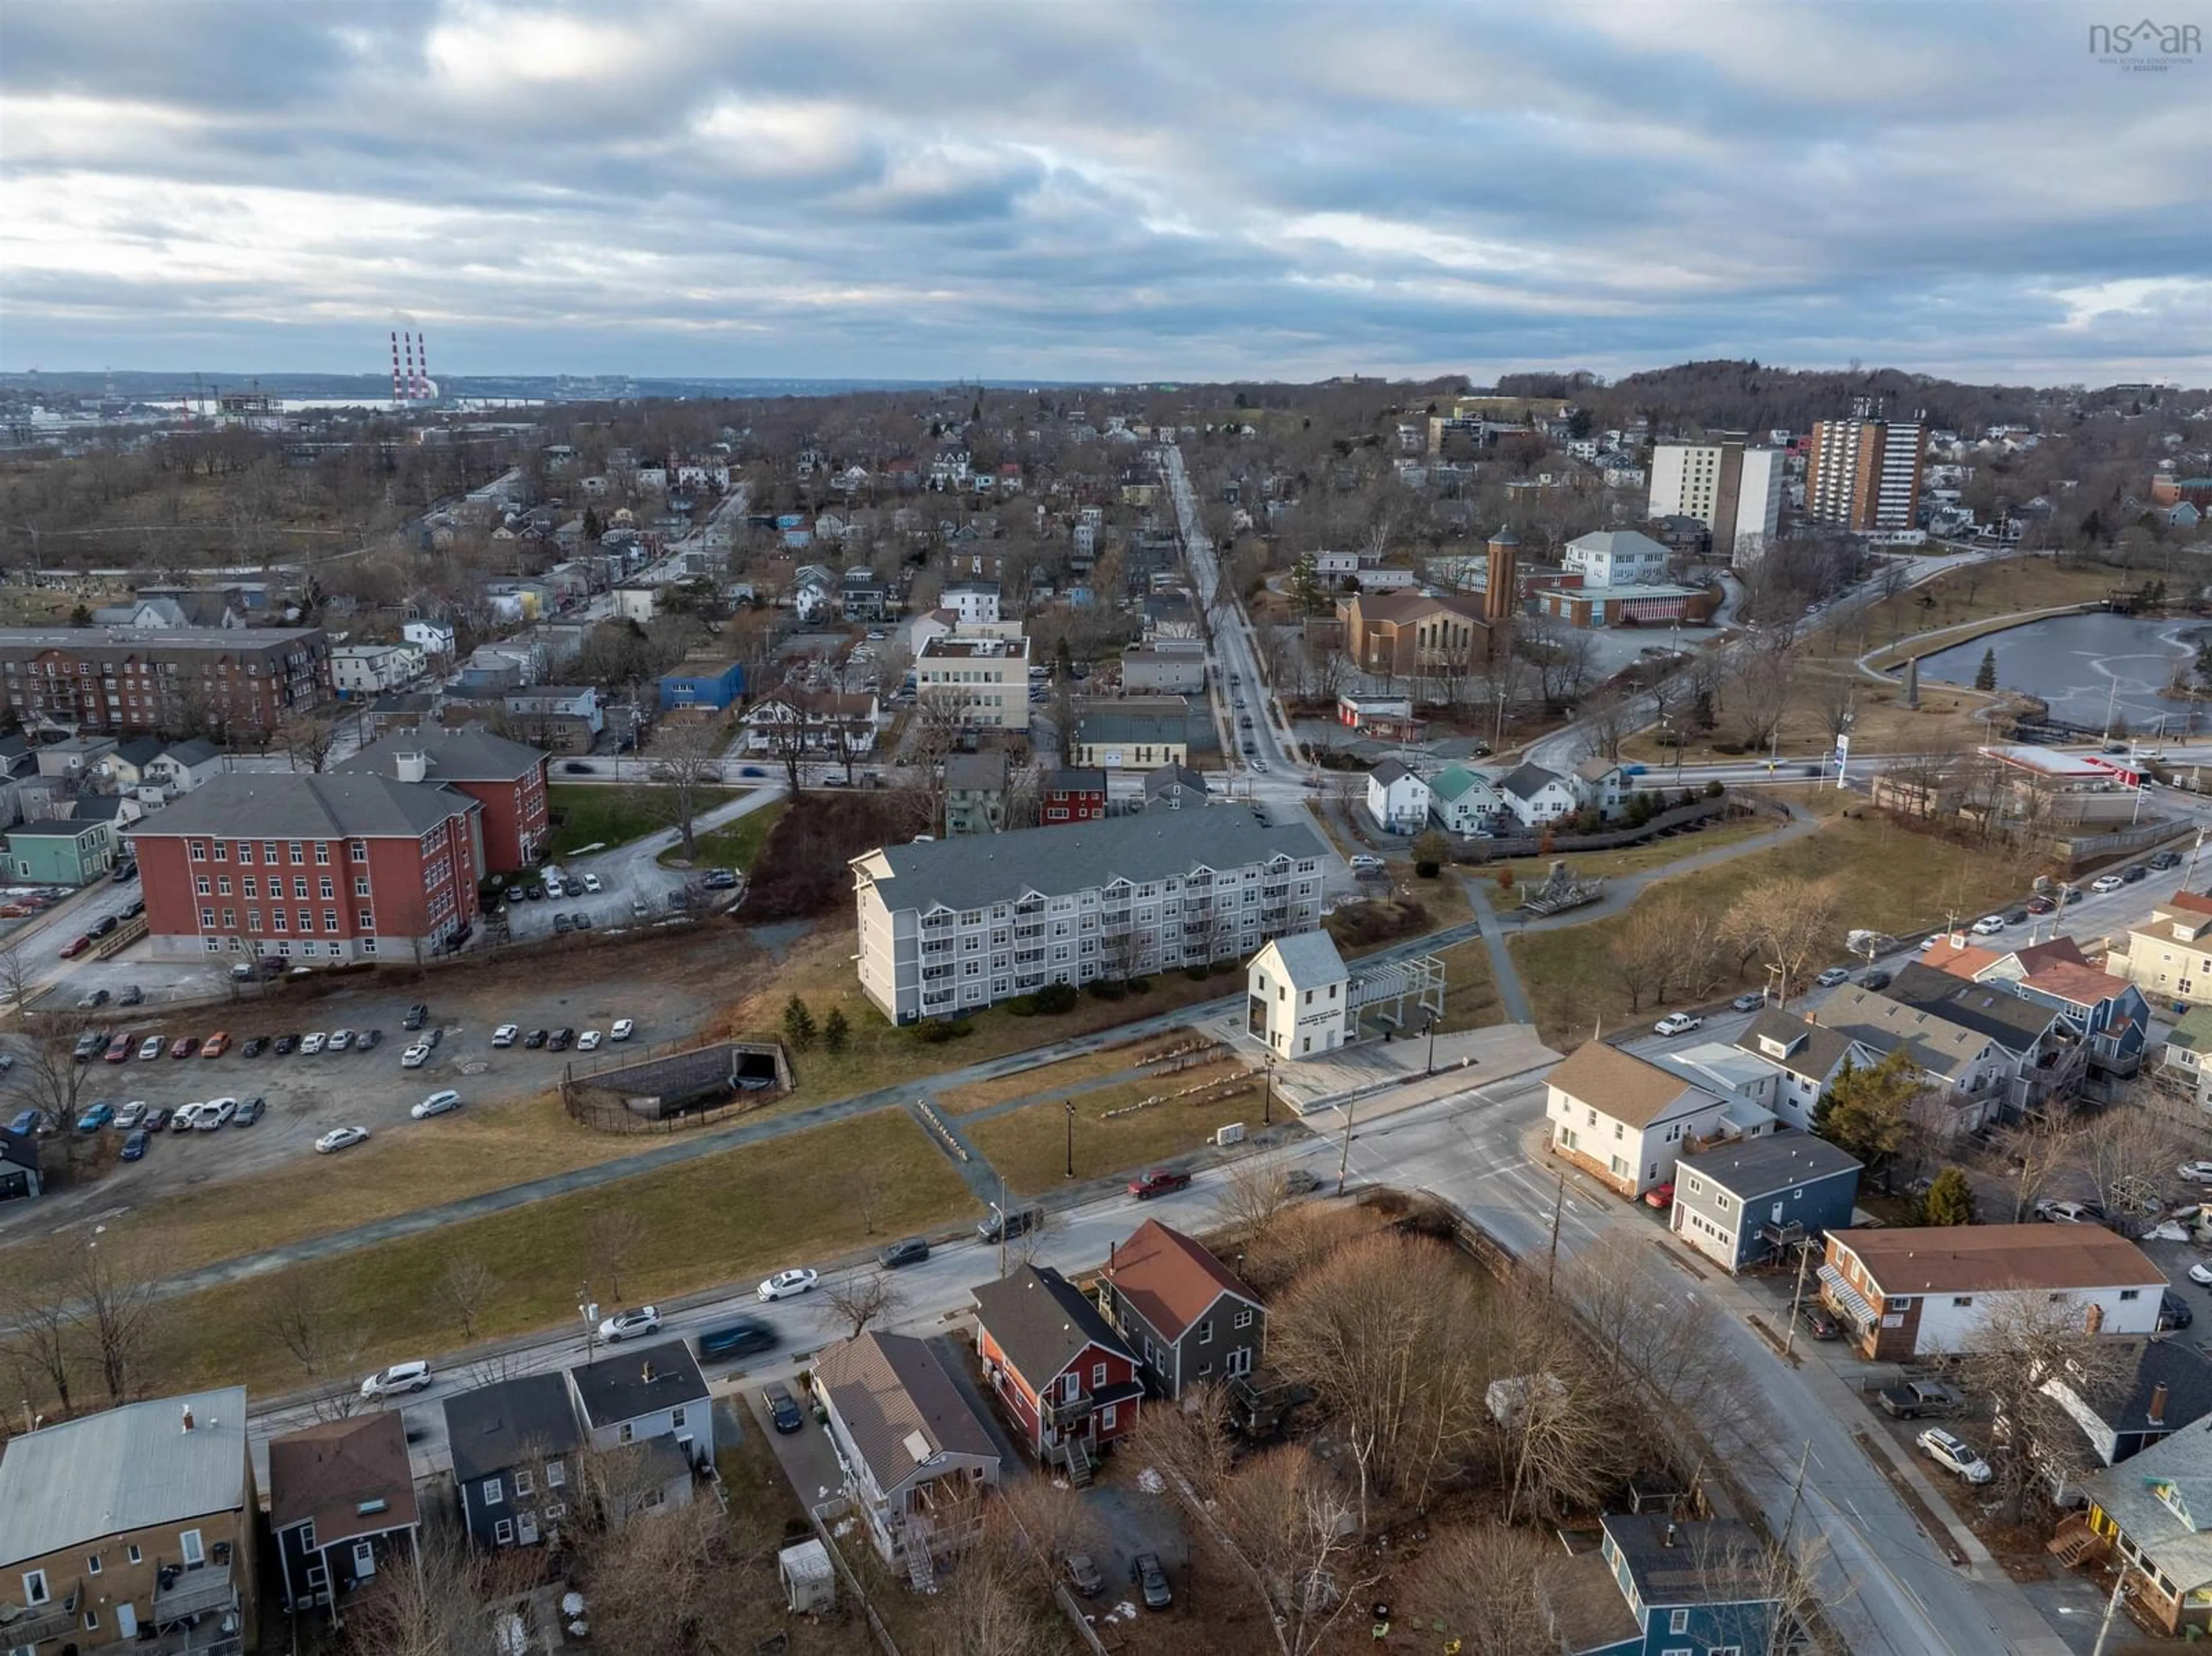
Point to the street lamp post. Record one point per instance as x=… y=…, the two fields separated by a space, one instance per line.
x=1267 y=1104
x=1070 y=1106
x=588 y=1309
x=1429 y=1065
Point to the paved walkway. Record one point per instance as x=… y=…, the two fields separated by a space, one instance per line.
x=1504 y=975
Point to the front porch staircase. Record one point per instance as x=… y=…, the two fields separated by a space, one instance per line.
x=1076 y=1458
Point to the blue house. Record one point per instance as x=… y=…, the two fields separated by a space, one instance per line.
x=1685 y=1589
x=703 y=683
x=1741 y=1204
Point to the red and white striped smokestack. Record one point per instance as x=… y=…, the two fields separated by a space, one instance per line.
x=396 y=393
x=422 y=361
x=414 y=379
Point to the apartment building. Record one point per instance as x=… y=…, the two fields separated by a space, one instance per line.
x=506 y=778
x=948 y=925
x=980 y=683
x=1733 y=489
x=238 y=681
x=1865 y=472
x=372 y=669
x=334 y=868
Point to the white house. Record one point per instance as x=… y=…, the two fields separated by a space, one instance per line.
x=1299 y=995
x=1465 y=800
x=650 y=1406
x=184 y=766
x=1536 y=796
x=1626 y=1121
x=1602 y=785
x=1616 y=557
x=1805 y=1057
x=1397 y=799
x=373 y=669
x=974 y=603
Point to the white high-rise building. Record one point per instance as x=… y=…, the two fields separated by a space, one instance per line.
x=1733 y=490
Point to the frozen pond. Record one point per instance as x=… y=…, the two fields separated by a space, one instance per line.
x=2085 y=665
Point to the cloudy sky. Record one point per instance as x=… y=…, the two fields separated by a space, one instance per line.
x=1098 y=189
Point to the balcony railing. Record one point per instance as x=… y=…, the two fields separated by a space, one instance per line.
x=192 y=1593
x=54 y=1619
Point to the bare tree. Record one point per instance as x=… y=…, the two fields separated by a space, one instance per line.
x=664 y=1584
x=433 y=1609
x=1785 y=923
x=687 y=760
x=1299 y=1528
x=1607 y=719
x=467 y=1287
x=308 y=742
x=1760 y=694
x=46 y=1076
x=1483 y=1584
x=303 y=1316
x=115 y=1307
x=2036 y=1150
x=2025 y=1341
x=1188 y=1443
x=1250 y=1198
x=1641 y=953
x=2128 y=1152
x=40 y=1343
x=1678 y=1367
x=859 y=1298
x=612 y=1237
x=1559 y=1447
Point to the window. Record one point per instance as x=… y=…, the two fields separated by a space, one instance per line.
x=329 y=890
x=1106 y=1417
x=1243 y=1319
x=675 y=1418
x=1678 y=1621
x=92 y=1565
x=307 y=1536
x=133 y=1554
x=2131 y=1294
x=525 y=1484
x=201 y=887
x=556 y=1510
x=91 y=1620
x=298 y=853
x=1097 y=1375
x=1206 y=1333
x=490 y=1493
x=188 y=1543
x=358 y=850
x=1962 y=1299
x=625 y=1433
x=502 y=1533
x=556 y=1475
x=322 y=853
x=34 y=1587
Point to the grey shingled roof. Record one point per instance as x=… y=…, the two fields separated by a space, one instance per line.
x=1042 y=1321
x=1113 y=726
x=974 y=870
x=1989 y=1010
x=279 y=805
x=130 y=1468
x=1160 y=780
x=1752 y=1168
x=2129 y=1494
x=1527 y=781
x=885 y=1387
x=1309 y=958
x=629 y=1382
x=469 y=753
x=1390 y=771
x=976 y=772
x=496 y=1427
x=1814 y=1049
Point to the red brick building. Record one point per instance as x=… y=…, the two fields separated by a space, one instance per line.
x=1072 y=796
x=506 y=778
x=1064 y=1377
x=329 y=868
x=230 y=680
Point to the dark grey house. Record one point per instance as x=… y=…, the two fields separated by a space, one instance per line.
x=1182 y=1310
x=2159 y=1387
x=341 y=1506
x=515 y=1447
x=1740 y=1204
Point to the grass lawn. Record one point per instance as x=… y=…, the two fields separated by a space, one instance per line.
x=1633 y=859
x=1968 y=594
x=1945 y=718
x=734 y=846
x=723 y=1219
x=1030 y=1146
x=604 y=815
x=1470 y=993
x=1068 y=1072
x=1893 y=880
x=763 y=1509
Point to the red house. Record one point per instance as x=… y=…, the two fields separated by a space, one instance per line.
x=1061 y=1373
x=293 y=865
x=507 y=778
x=1072 y=796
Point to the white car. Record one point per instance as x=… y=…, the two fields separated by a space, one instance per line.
x=186 y=1118
x=310 y=1045
x=1832 y=976
x=400 y=1377
x=215 y=1114
x=1990 y=924
x=1677 y=1023
x=589 y=1041
x=1364 y=862
x=340 y=1039
x=415 y=1056
x=2105 y=883
x=437 y=1104
x=625 y=1325
x=623 y=1030
x=591 y=883
x=1954 y=1453
x=340 y=1139
x=505 y=1034
x=786 y=1283
x=2064 y=1213
x=2196 y=1173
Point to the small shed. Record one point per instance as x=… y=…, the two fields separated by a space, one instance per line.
x=809 y=1584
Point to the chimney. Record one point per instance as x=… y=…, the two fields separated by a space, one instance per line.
x=2158 y=1403
x=1670 y=1539
x=410 y=767
x=646 y=1377
x=188 y=1417
x=2095 y=1319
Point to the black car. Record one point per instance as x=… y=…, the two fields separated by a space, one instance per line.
x=782 y=1408
x=2071 y=894
x=534 y=1040
x=124 y=873
x=157 y=1118
x=367 y=1039
x=134 y=1148
x=1876 y=979
x=101 y=927
x=2173 y=1312
x=535 y=890
x=583 y=922
x=1819 y=1322
x=2015 y=917
x=286 y=1046
x=2165 y=859
x=910 y=1252
x=561 y=1040
x=417 y=1016
x=1146 y=1571
x=2133 y=872
x=255 y=1048
x=1083 y=1574
x=736 y=1339
x=576 y=767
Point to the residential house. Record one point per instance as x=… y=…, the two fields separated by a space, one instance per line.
x=975 y=681
x=1536 y=796
x=60 y=850
x=1110 y=738
x=434 y=639
x=1746 y=1085
x=1616 y=557
x=862 y=596
x=1298 y=995
x=916 y=1458
x=1603 y=787
x=516 y=1445
x=1072 y=796
x=2155 y=1511
x=132 y=1525
x=1624 y=1119
x=131 y=679
x=117 y=810
x=975 y=793
x=1171 y=787
x=702 y=681
x=1929 y=1290
x=2110 y=1013
x=21 y=1174
x=1657 y=1587
x=1184 y=1311
x=558 y=717
x=1166 y=668
x=819 y=721
x=2169 y=956
x=2152 y=1389
x=182 y=767
x=1067 y=1380
x=1743 y=1203
x=1465 y=800
x=974 y=603
x=1806 y=1056
x=506 y=779
x=359 y=670
x=1397 y=799
x=649 y=1423
x=965 y=922
x=74 y=759
x=1969 y=1072
x=342 y=1507
x=2046 y=1054
x=2187 y=1055
x=125 y=767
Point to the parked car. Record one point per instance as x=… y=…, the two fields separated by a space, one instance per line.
x=736 y=1339
x=341 y=1040
x=589 y=1041
x=417 y=1016
x=1160 y=1181
x=119 y=1049
x=183 y=1045
x=2165 y=859
x=1916 y=1397
x=1876 y=979
x=1677 y=1023
x=1083 y=1574
x=312 y=1043
x=560 y=924
x=535 y=1039
x=1990 y=924
x=2106 y=882
x=910 y=1251
x=25 y=1123
x=2067 y=1213
x=1751 y=1002
x=1832 y=976
x=2195 y=1173
x=1152 y=1580
x=622 y=1029
x=132 y=995
x=782 y=1408
x=107 y=925
x=249 y=1110
x=1954 y=1455
x=2201 y=1274
x=367 y=1040
x=1661 y=1197
x=286 y=1044
x=1366 y=863
x=400 y=1378
x=254 y=1047
x=158 y=1119
x=92 y=997
x=215 y=1114
x=133 y=1114
x=2133 y=872
x=999 y=1223
x=591 y=883
x=415 y=1056
x=217 y=1044
x=561 y=1040
x=437 y=1104
x=786 y=1284
x=134 y=1147
x=184 y=1117
x=339 y=1138
x=75 y=946
x=628 y=1325
x=1819 y=1321
x=2042 y=905
x=100 y=1115
x=505 y=1034
x=2173 y=1311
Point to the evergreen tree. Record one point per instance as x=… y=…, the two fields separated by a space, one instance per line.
x=835 y=1030
x=1985 y=675
x=1305 y=586
x=797 y=1024
x=1949 y=1201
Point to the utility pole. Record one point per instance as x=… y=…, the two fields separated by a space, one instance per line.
x=1796 y=1298
x=2111 y=1609
x=1070 y=1106
x=1558 y=1205
x=1797 y=1493
x=1343 y=1161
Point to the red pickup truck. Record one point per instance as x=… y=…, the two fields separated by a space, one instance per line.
x=1159 y=1182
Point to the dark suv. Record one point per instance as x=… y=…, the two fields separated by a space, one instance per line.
x=1004 y=1225
x=910 y=1252
x=417 y=1016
